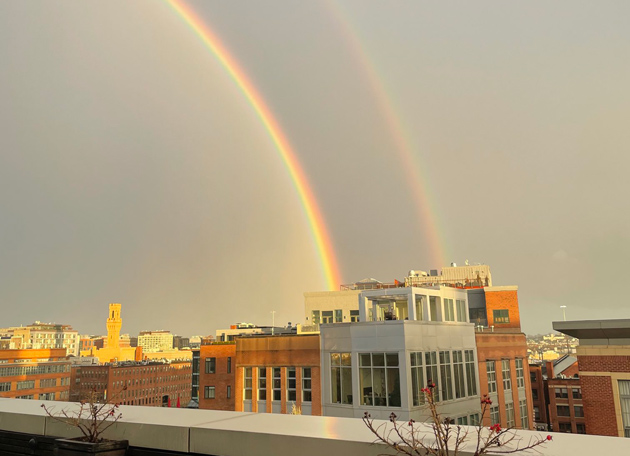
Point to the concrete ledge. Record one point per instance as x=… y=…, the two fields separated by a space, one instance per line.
x=206 y=432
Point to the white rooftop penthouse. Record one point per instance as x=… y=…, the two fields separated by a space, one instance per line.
x=411 y=336
x=435 y=303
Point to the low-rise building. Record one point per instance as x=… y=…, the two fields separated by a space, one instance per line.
x=217 y=376
x=35 y=374
x=135 y=383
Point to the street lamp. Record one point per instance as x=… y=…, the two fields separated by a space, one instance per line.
x=564 y=313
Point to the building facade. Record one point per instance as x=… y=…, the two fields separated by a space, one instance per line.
x=45 y=336
x=135 y=383
x=217 y=376
x=278 y=374
x=35 y=374
x=155 y=341
x=109 y=349
x=604 y=369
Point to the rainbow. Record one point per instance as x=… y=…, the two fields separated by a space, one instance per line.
x=411 y=166
x=314 y=216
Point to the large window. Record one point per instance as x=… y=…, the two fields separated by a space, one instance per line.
x=5 y=386
x=446 y=376
x=306 y=384
x=501 y=316
x=449 y=310
x=354 y=316
x=417 y=378
x=338 y=316
x=470 y=372
x=291 y=384
x=419 y=308
x=247 y=383
x=47 y=396
x=577 y=393
x=509 y=415
x=341 y=378
x=379 y=379
x=624 y=400
x=262 y=383
x=520 y=374
x=458 y=370
x=208 y=392
x=433 y=305
x=505 y=370
x=562 y=393
x=327 y=316
x=492 y=376
x=315 y=317
x=461 y=309
x=431 y=364
x=522 y=406
x=211 y=365
x=494 y=415
x=277 y=383
x=579 y=411
x=26 y=384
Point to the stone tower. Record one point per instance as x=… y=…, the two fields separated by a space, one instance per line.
x=114 y=323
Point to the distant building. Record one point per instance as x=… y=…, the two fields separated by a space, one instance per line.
x=147 y=383
x=155 y=341
x=604 y=369
x=180 y=342
x=467 y=276
x=42 y=374
x=44 y=336
x=242 y=329
x=325 y=307
x=112 y=351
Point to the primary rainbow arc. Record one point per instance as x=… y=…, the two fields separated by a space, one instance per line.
x=309 y=203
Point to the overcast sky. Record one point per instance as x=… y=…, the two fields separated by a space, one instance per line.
x=132 y=169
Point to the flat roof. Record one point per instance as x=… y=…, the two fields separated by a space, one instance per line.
x=595 y=329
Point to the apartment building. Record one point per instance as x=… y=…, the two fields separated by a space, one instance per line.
x=604 y=373
x=155 y=341
x=35 y=374
x=502 y=355
x=45 y=336
x=406 y=337
x=135 y=383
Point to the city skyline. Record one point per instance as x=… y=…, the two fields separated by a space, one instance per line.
x=135 y=171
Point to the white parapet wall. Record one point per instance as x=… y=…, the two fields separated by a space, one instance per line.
x=256 y=434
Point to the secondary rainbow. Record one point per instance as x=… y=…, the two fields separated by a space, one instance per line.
x=309 y=203
x=412 y=169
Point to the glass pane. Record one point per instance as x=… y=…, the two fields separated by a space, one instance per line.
x=346 y=379
x=392 y=359
x=335 y=359
x=378 y=359
x=346 y=359
x=335 y=375
x=364 y=359
x=365 y=383
x=393 y=387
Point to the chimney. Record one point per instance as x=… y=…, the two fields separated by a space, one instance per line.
x=549 y=366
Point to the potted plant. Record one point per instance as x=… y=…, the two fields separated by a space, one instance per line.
x=92 y=419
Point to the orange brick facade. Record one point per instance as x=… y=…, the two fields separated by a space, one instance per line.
x=503 y=300
x=284 y=355
x=217 y=376
x=35 y=374
x=498 y=347
x=150 y=384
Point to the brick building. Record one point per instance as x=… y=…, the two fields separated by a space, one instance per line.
x=273 y=373
x=502 y=355
x=604 y=369
x=152 y=384
x=216 y=376
x=35 y=374
x=540 y=399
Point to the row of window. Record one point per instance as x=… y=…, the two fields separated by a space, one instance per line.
x=329 y=316
x=34 y=370
x=505 y=374
x=565 y=410
x=453 y=372
x=276 y=383
x=563 y=393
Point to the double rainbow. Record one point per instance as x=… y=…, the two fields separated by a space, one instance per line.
x=309 y=203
